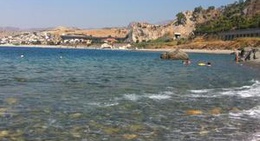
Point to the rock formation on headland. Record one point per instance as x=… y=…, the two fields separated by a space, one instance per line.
x=143 y=32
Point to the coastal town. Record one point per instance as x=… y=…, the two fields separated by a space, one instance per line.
x=65 y=36
x=45 y=38
x=28 y=38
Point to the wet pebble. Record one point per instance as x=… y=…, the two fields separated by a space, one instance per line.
x=129 y=136
x=215 y=111
x=194 y=112
x=11 y=101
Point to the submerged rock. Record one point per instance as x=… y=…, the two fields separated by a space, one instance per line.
x=234 y=110
x=4 y=133
x=130 y=136
x=194 y=112
x=175 y=55
x=2 y=111
x=11 y=101
x=215 y=111
x=76 y=115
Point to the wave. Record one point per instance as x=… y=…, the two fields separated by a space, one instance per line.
x=254 y=137
x=253 y=113
x=243 y=91
x=201 y=91
x=106 y=104
x=160 y=96
x=132 y=97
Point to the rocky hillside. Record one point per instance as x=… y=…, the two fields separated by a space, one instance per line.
x=253 y=7
x=239 y=14
x=143 y=32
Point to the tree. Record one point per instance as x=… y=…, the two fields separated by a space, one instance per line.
x=211 y=8
x=181 y=18
x=198 y=9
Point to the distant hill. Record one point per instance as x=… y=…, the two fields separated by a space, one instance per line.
x=104 y=32
x=9 y=28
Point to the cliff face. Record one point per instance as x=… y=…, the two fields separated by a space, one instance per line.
x=143 y=32
x=188 y=27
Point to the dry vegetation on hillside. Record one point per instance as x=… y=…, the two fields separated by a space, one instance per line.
x=105 y=32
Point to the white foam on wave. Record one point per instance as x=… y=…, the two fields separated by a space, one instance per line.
x=253 y=113
x=243 y=91
x=132 y=97
x=242 y=115
x=255 y=137
x=167 y=93
x=106 y=104
x=201 y=91
x=159 y=97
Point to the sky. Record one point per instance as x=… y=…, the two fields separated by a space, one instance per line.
x=94 y=13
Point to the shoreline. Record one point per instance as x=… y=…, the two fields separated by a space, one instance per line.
x=149 y=50
x=219 y=51
x=44 y=46
x=254 y=63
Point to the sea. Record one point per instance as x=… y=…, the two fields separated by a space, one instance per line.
x=114 y=95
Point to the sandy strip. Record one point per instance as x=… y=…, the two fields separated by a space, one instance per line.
x=193 y=51
x=155 y=50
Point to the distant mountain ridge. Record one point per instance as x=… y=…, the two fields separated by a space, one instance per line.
x=9 y=28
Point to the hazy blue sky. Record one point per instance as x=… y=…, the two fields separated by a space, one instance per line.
x=94 y=13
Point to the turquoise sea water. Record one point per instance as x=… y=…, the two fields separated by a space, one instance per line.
x=85 y=95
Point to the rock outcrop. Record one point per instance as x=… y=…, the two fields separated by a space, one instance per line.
x=143 y=32
x=175 y=55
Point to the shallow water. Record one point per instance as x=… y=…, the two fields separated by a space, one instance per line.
x=69 y=94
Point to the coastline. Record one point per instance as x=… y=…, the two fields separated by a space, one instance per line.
x=254 y=63
x=152 y=50
x=45 y=46
x=218 y=51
